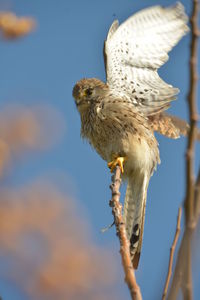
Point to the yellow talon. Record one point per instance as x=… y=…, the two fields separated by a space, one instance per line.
x=117 y=161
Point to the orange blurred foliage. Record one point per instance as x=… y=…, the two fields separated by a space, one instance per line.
x=46 y=247
x=49 y=245
x=33 y=128
x=13 y=27
x=44 y=238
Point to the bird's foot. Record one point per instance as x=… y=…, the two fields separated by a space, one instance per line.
x=117 y=161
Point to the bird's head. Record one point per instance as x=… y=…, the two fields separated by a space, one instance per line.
x=87 y=91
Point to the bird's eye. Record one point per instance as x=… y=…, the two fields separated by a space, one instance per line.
x=88 y=92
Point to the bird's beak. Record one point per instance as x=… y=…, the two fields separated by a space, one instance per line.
x=78 y=94
x=80 y=98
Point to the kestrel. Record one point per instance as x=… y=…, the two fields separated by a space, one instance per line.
x=119 y=117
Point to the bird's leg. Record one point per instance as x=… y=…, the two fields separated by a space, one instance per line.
x=118 y=160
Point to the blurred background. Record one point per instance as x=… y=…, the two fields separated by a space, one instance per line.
x=54 y=189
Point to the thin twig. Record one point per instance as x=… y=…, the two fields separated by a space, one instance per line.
x=121 y=232
x=178 y=273
x=173 y=247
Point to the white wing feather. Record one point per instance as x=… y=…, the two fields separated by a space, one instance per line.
x=137 y=48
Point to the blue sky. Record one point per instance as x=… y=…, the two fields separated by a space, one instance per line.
x=43 y=67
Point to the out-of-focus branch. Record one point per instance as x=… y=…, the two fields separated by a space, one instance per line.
x=180 y=266
x=190 y=183
x=183 y=275
x=13 y=27
x=197 y=199
x=121 y=232
x=189 y=201
x=173 y=247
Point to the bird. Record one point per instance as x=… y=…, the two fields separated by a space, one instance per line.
x=119 y=117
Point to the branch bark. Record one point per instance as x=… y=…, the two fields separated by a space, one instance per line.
x=183 y=274
x=121 y=233
x=189 y=201
x=172 y=250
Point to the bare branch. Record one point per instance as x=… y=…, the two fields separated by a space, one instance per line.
x=172 y=250
x=197 y=199
x=183 y=274
x=190 y=187
x=189 y=201
x=184 y=255
x=186 y=284
x=121 y=232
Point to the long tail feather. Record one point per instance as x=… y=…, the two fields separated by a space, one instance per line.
x=134 y=213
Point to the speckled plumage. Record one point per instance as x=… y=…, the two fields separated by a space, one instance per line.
x=119 y=117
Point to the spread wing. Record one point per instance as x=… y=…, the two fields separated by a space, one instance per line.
x=137 y=48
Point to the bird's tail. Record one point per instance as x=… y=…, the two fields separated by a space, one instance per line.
x=134 y=213
x=171 y=126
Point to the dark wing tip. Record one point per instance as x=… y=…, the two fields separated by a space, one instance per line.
x=105 y=57
x=136 y=260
